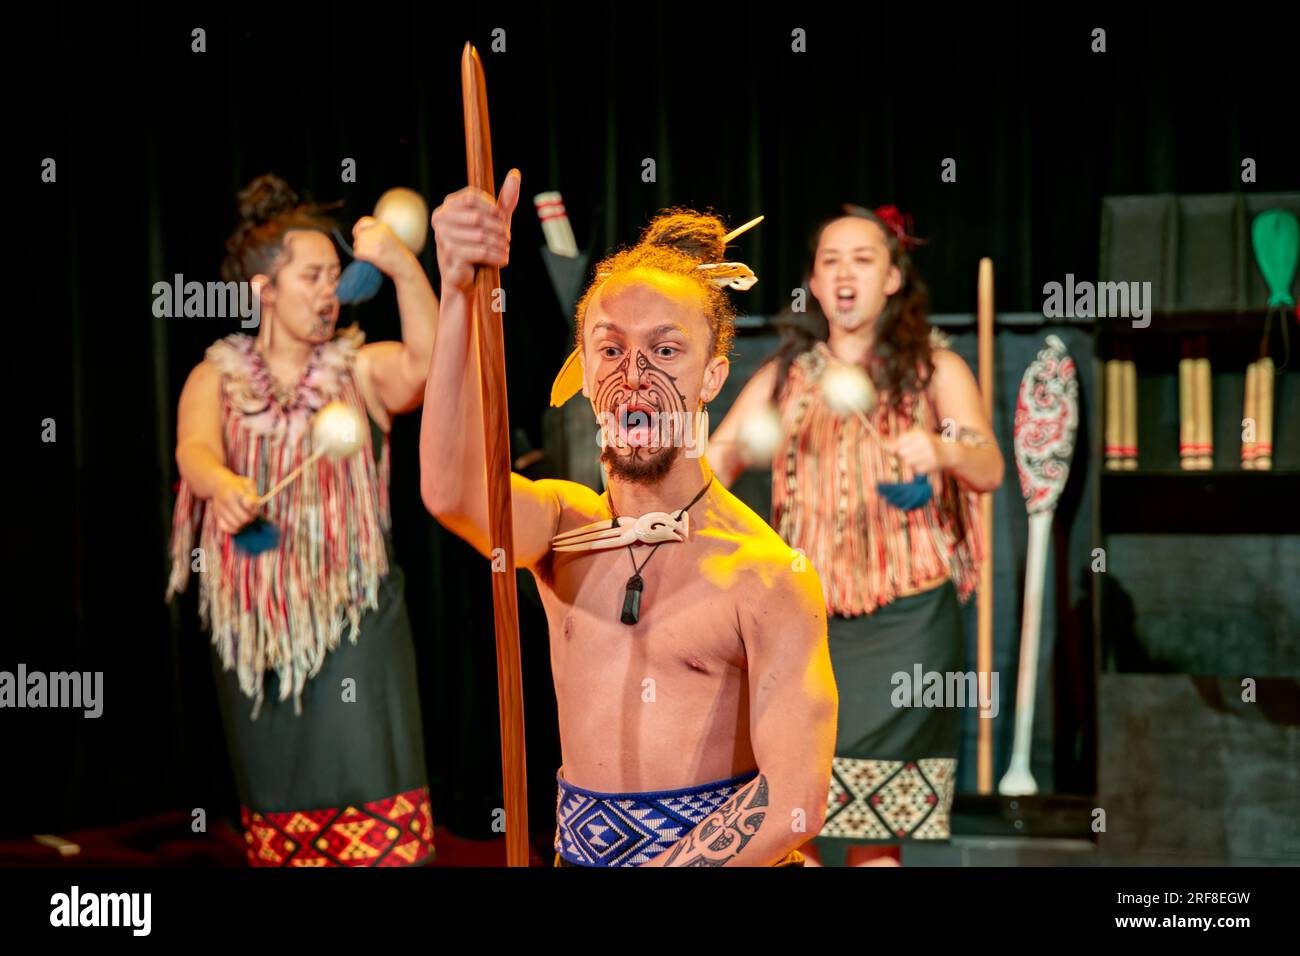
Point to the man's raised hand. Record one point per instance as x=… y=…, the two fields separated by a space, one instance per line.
x=472 y=229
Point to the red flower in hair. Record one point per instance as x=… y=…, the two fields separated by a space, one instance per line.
x=900 y=223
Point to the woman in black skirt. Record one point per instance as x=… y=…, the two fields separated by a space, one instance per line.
x=893 y=576
x=312 y=649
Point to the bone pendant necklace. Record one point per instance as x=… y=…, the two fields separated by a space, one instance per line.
x=632 y=593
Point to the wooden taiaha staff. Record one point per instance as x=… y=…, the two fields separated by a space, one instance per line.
x=1250 y=417
x=487 y=325
x=984 y=647
x=1128 y=424
x=1201 y=380
x=1187 y=436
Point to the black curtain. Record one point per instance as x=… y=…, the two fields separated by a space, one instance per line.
x=152 y=139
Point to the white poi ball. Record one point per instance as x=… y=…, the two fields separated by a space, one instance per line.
x=759 y=435
x=405 y=212
x=338 y=429
x=847 y=389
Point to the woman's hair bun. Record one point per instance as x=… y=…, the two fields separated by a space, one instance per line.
x=695 y=234
x=266 y=197
x=268 y=210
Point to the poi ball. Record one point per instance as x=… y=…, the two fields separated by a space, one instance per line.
x=760 y=434
x=338 y=429
x=847 y=389
x=405 y=212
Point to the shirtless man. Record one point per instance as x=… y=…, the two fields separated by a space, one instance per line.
x=702 y=734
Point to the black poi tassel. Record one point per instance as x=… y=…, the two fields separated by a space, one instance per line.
x=632 y=600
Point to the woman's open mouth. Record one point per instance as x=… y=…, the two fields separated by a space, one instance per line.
x=846 y=297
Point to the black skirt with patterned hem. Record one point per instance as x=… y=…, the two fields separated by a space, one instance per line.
x=895 y=767
x=344 y=782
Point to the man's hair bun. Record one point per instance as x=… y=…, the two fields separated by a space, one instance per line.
x=694 y=234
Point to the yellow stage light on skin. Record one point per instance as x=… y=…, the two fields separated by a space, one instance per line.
x=760 y=435
x=847 y=390
x=405 y=212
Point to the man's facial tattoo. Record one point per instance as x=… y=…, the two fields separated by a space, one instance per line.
x=657 y=405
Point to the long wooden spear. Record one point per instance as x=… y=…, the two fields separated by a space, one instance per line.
x=487 y=325
x=984 y=647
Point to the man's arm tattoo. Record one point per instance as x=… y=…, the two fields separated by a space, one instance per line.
x=724 y=833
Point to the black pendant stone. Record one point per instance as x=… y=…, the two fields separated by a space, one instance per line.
x=632 y=600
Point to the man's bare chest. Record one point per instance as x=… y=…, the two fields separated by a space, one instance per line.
x=684 y=616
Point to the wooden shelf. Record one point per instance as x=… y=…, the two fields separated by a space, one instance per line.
x=1249 y=324
x=1200 y=502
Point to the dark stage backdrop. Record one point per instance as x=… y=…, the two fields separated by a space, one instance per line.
x=152 y=140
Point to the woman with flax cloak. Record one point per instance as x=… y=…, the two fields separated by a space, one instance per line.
x=312 y=649
x=883 y=504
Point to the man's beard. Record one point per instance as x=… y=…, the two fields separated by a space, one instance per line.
x=642 y=466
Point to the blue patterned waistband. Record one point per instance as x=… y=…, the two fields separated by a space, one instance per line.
x=630 y=829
